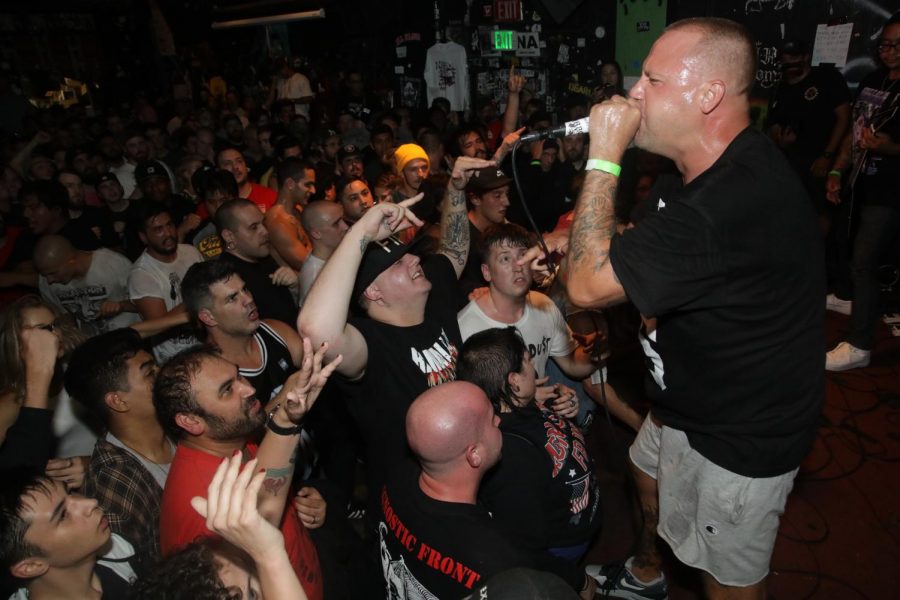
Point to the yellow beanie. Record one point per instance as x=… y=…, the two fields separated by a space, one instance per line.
x=406 y=153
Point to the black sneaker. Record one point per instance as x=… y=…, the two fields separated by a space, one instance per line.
x=615 y=580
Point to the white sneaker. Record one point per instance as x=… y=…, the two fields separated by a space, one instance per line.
x=846 y=356
x=835 y=304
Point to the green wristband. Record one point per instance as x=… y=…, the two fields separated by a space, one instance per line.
x=535 y=163
x=834 y=172
x=595 y=164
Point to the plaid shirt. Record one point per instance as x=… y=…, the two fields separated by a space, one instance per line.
x=130 y=498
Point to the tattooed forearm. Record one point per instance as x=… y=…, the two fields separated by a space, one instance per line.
x=594 y=223
x=364 y=243
x=276 y=479
x=455 y=239
x=456 y=197
x=455 y=227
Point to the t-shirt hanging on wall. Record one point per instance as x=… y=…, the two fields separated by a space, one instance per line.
x=447 y=74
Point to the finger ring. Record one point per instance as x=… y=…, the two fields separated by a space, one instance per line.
x=70 y=462
x=572 y=403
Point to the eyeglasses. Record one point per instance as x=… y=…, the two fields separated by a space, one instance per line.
x=884 y=46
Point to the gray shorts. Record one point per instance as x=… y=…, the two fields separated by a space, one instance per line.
x=714 y=520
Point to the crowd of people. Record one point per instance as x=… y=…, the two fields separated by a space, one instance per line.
x=251 y=350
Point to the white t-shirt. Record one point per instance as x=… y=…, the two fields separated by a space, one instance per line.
x=125 y=175
x=447 y=74
x=106 y=279
x=151 y=278
x=542 y=326
x=295 y=86
x=308 y=273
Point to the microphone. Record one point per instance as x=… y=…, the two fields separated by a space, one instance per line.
x=567 y=128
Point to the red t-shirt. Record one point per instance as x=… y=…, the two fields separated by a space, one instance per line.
x=262 y=196
x=180 y=524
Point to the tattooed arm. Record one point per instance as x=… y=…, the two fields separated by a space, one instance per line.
x=454 y=222
x=324 y=314
x=591 y=280
x=277 y=452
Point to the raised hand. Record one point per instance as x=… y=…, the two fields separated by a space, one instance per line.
x=303 y=387
x=386 y=218
x=230 y=508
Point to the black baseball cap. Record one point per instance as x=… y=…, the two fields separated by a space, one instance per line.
x=347 y=151
x=381 y=255
x=148 y=169
x=486 y=179
x=104 y=177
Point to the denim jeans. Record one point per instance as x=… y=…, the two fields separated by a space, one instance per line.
x=877 y=230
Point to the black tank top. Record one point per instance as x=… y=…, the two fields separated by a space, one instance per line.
x=276 y=364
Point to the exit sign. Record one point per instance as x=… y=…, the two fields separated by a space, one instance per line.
x=507 y=11
x=504 y=40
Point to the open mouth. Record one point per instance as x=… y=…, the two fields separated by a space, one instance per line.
x=103 y=525
x=253 y=315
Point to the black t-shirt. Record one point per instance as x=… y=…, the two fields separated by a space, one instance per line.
x=439 y=549
x=272 y=301
x=95 y=220
x=402 y=363
x=471 y=277
x=808 y=108
x=124 y=227
x=880 y=176
x=79 y=234
x=543 y=493
x=732 y=266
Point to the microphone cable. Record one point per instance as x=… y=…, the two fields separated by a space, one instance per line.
x=551 y=265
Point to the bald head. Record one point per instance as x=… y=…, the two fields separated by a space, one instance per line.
x=319 y=213
x=724 y=50
x=446 y=422
x=51 y=251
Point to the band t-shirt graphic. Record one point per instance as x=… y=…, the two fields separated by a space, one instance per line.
x=403 y=362
x=432 y=549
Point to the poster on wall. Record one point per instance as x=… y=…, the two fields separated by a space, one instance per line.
x=638 y=24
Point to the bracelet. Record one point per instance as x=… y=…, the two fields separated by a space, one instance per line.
x=595 y=164
x=835 y=172
x=277 y=429
x=535 y=163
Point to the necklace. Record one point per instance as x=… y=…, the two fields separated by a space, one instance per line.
x=161 y=469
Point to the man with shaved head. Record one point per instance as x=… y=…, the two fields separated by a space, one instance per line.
x=731 y=265
x=91 y=286
x=432 y=533
x=324 y=224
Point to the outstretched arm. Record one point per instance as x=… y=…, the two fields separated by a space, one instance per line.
x=454 y=223
x=324 y=314
x=277 y=451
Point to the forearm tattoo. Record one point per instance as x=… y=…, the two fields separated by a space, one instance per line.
x=364 y=243
x=594 y=223
x=276 y=479
x=455 y=227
